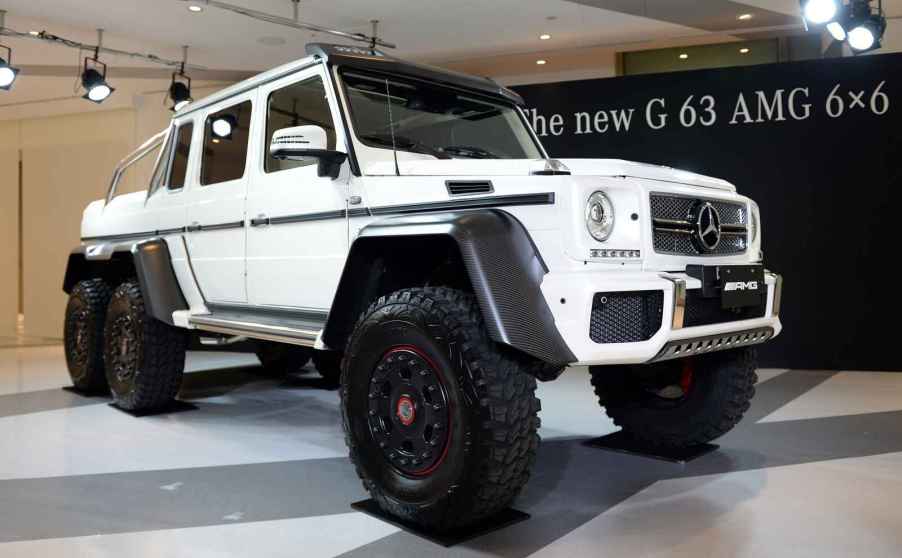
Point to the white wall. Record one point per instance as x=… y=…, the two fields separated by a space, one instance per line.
x=9 y=226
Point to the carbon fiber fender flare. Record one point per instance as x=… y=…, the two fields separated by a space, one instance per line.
x=502 y=262
x=148 y=260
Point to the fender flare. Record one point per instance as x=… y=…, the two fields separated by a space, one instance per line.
x=148 y=260
x=504 y=267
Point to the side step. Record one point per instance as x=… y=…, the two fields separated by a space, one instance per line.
x=283 y=326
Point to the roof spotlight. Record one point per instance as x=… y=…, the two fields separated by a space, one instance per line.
x=93 y=79
x=180 y=91
x=7 y=73
x=820 y=11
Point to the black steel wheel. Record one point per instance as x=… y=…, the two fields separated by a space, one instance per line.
x=679 y=403
x=441 y=422
x=144 y=357
x=409 y=413
x=83 y=334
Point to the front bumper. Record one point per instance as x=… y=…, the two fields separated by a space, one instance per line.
x=570 y=296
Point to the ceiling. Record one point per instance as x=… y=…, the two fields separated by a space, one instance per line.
x=457 y=33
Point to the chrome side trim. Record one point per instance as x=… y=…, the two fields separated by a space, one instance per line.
x=679 y=302
x=778 y=295
x=281 y=334
x=712 y=343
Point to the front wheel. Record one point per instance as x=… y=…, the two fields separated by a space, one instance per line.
x=144 y=357
x=440 y=421
x=679 y=403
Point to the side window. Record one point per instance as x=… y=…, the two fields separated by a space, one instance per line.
x=179 y=167
x=299 y=104
x=225 y=144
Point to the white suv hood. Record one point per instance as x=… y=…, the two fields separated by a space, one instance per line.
x=429 y=166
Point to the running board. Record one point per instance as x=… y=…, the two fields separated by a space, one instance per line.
x=281 y=329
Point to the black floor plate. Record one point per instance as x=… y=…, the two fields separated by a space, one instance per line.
x=174 y=407
x=504 y=518
x=622 y=443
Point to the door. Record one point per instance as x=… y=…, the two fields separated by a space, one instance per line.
x=215 y=231
x=298 y=243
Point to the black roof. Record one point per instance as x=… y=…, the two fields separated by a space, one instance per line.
x=365 y=58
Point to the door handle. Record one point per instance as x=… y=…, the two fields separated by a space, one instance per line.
x=355 y=200
x=193 y=227
x=260 y=221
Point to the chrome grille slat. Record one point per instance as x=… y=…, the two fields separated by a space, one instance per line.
x=671 y=225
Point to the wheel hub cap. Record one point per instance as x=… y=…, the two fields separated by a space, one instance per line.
x=408 y=411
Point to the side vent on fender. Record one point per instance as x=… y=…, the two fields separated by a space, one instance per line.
x=469 y=187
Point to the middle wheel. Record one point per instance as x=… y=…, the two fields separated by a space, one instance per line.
x=441 y=422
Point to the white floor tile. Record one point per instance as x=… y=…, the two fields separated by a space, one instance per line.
x=313 y=537
x=837 y=508
x=846 y=393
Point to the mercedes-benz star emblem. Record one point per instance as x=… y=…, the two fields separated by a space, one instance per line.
x=707 y=227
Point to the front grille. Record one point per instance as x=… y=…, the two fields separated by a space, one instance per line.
x=672 y=227
x=626 y=317
x=705 y=311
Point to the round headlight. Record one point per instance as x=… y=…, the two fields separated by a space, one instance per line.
x=600 y=216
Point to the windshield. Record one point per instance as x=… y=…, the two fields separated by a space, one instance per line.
x=434 y=120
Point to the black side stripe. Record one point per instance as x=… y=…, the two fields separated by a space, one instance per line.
x=472 y=203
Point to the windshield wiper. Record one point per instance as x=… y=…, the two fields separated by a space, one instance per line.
x=405 y=144
x=470 y=151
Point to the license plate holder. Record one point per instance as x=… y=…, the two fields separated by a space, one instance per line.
x=741 y=285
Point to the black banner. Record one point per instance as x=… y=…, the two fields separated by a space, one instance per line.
x=816 y=144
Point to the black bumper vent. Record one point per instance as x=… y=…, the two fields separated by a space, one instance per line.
x=626 y=317
x=706 y=311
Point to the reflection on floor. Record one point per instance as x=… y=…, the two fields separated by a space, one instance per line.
x=260 y=469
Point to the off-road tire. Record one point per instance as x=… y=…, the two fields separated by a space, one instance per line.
x=144 y=358
x=83 y=334
x=719 y=394
x=492 y=415
x=328 y=364
x=279 y=359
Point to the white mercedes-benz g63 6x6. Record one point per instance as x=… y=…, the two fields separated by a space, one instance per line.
x=403 y=227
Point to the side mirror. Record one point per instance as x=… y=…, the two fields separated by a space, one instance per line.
x=306 y=143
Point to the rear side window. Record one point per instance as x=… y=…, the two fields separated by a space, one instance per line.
x=225 y=144
x=180 y=157
x=300 y=104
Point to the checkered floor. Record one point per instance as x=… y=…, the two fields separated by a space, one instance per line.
x=260 y=469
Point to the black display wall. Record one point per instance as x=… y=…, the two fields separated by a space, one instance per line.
x=816 y=144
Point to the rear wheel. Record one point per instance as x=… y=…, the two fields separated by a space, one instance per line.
x=328 y=364
x=679 y=403
x=144 y=357
x=279 y=358
x=83 y=334
x=440 y=421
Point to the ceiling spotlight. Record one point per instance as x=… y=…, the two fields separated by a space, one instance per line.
x=195 y=8
x=93 y=79
x=544 y=37
x=684 y=56
x=745 y=17
x=541 y=62
x=837 y=31
x=7 y=73
x=180 y=91
x=223 y=126
x=863 y=27
x=744 y=50
x=820 y=11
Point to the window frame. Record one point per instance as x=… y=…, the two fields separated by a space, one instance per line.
x=216 y=109
x=266 y=139
x=177 y=128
